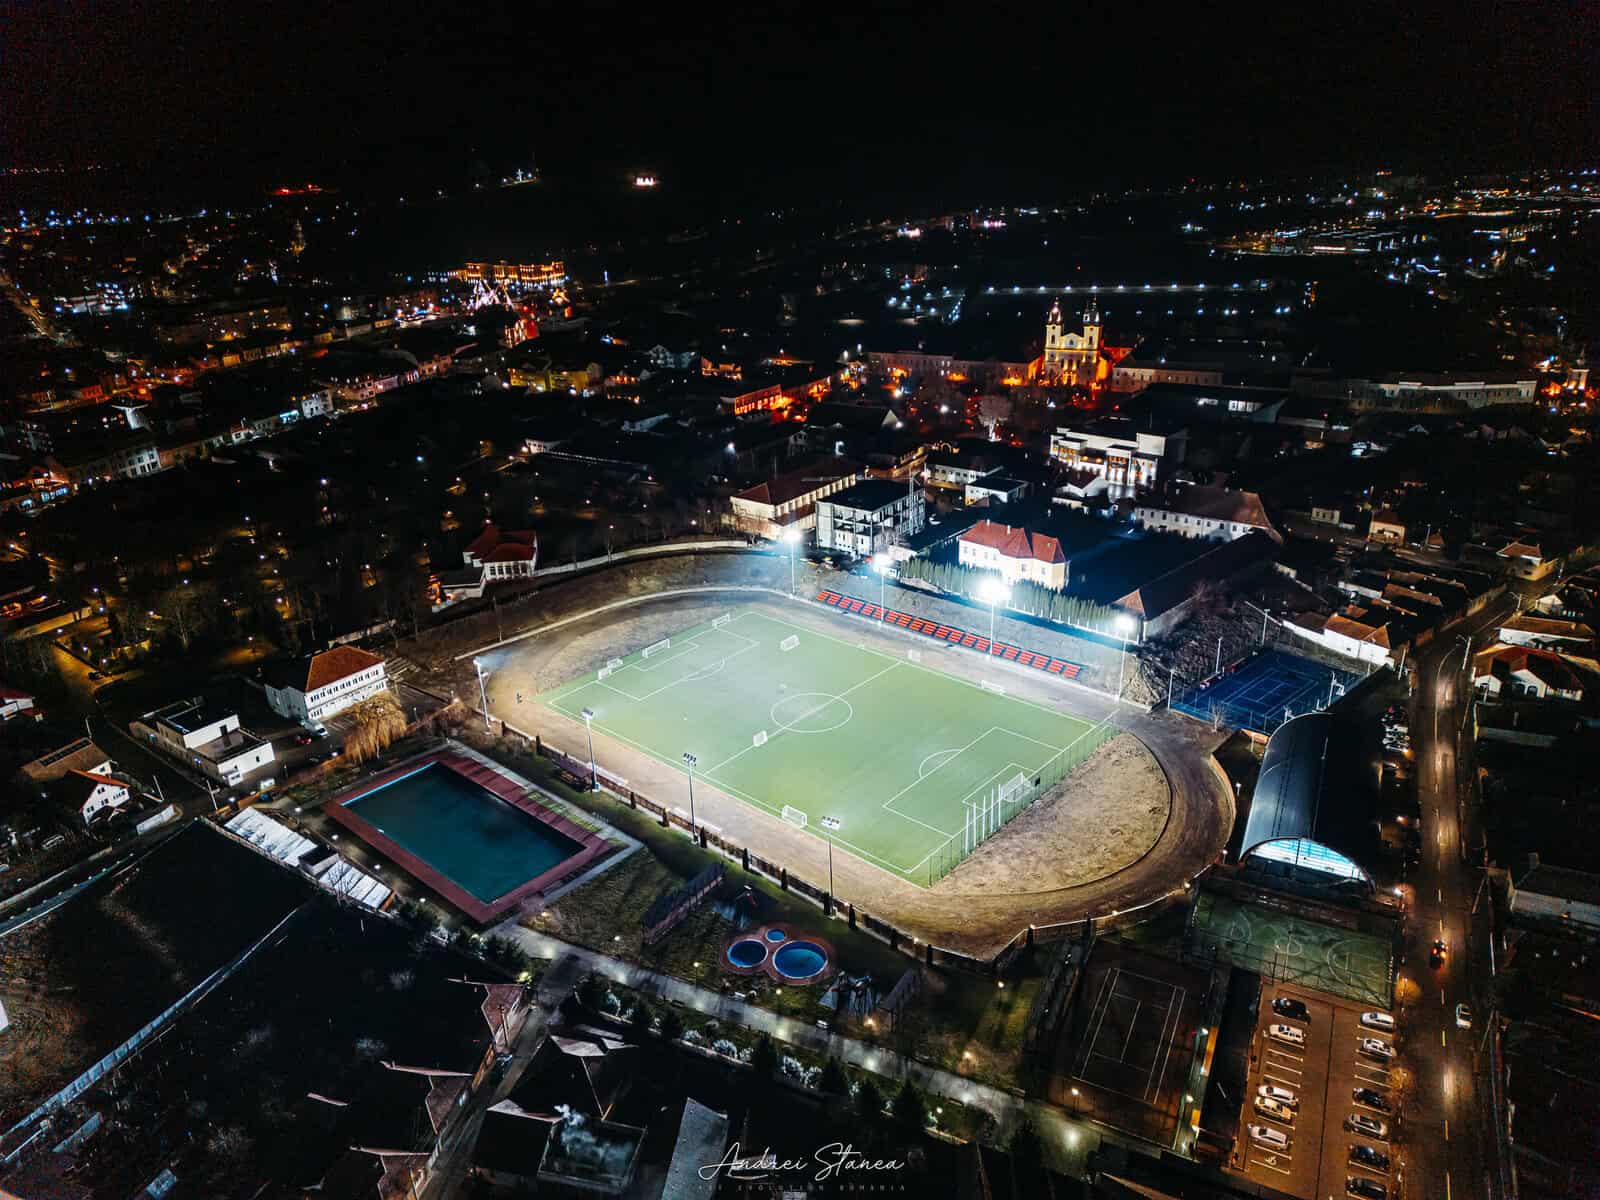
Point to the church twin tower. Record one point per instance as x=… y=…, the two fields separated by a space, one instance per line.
x=1072 y=357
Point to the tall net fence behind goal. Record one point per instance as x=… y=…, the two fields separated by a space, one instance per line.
x=993 y=808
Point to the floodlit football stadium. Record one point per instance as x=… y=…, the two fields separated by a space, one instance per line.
x=908 y=768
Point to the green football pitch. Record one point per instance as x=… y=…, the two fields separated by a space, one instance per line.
x=914 y=765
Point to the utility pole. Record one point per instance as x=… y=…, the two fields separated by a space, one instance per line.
x=1218 y=670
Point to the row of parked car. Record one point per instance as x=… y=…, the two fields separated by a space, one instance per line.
x=1279 y=1105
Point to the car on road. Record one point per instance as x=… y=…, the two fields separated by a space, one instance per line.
x=302 y=739
x=1372 y=1099
x=95 y=675
x=1268 y=1137
x=1370 y=1126
x=1274 y=1111
x=1288 y=1006
x=1463 y=1017
x=1366 y=1189
x=1378 y=1020
x=1366 y=1156
x=316 y=760
x=1288 y=1034
x=1282 y=1095
x=1377 y=1047
x=1437 y=953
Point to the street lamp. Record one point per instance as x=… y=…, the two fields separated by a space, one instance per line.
x=588 y=725
x=690 y=760
x=880 y=564
x=791 y=536
x=829 y=824
x=1125 y=626
x=993 y=591
x=483 y=695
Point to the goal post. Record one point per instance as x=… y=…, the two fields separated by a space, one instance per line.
x=795 y=816
x=1014 y=789
x=719 y=622
x=790 y=642
x=657 y=648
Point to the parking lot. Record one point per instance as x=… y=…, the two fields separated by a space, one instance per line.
x=1323 y=1075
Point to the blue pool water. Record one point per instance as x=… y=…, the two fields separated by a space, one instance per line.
x=776 y=935
x=800 y=960
x=747 y=952
x=463 y=831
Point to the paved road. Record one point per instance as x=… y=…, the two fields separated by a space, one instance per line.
x=1445 y=1126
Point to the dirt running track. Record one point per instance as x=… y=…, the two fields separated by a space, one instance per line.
x=1142 y=817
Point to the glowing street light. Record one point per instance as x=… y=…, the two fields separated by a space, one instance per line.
x=483 y=695
x=1125 y=626
x=881 y=564
x=791 y=538
x=689 y=761
x=993 y=592
x=588 y=725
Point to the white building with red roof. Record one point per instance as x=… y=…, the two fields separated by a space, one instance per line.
x=316 y=687
x=1015 y=554
x=1212 y=513
x=503 y=553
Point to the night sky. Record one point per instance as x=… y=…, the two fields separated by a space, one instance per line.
x=953 y=97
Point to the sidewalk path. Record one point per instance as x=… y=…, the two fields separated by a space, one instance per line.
x=1067 y=1140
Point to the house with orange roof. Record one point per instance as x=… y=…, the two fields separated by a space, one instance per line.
x=1504 y=671
x=1015 y=553
x=313 y=688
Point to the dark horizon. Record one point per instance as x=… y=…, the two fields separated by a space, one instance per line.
x=897 y=101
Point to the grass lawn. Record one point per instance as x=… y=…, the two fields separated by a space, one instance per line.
x=806 y=725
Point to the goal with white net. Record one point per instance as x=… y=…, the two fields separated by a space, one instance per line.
x=790 y=642
x=795 y=817
x=657 y=648
x=1014 y=790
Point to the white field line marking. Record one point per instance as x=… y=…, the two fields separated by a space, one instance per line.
x=1177 y=996
x=1133 y=1023
x=867 y=855
x=1102 y=1002
x=810 y=712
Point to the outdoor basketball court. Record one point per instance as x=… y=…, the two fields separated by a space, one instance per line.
x=1280 y=945
x=906 y=767
x=1264 y=691
x=1129 y=1047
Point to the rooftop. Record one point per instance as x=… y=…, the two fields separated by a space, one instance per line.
x=796 y=483
x=1015 y=542
x=869 y=495
x=313 y=671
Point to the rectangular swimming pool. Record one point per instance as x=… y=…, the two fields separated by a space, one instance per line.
x=483 y=843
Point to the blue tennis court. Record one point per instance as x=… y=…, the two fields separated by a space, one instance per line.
x=1263 y=691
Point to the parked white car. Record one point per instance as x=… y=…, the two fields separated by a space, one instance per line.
x=1282 y=1095
x=1272 y=1110
x=1268 y=1137
x=1378 y=1020
x=1377 y=1047
x=1287 y=1034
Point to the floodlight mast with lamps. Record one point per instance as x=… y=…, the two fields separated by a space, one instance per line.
x=1125 y=626
x=880 y=564
x=791 y=537
x=483 y=695
x=588 y=725
x=993 y=591
x=689 y=761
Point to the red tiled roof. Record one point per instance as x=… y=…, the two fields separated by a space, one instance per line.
x=333 y=665
x=494 y=537
x=1551 y=669
x=794 y=484
x=508 y=552
x=1015 y=542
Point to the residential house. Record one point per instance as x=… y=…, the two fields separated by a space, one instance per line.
x=315 y=687
x=869 y=517
x=1522 y=671
x=1387 y=528
x=14 y=702
x=1015 y=553
x=1541 y=890
x=90 y=796
x=206 y=738
x=789 y=501
x=1525 y=629
x=1213 y=513
x=996 y=489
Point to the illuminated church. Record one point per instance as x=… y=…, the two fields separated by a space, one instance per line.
x=1072 y=357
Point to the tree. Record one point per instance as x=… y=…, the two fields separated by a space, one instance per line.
x=590 y=991
x=1027 y=1147
x=641 y=1019
x=834 y=1081
x=910 y=1109
x=671 y=1025
x=994 y=409
x=869 y=1101
x=764 y=1058
x=379 y=723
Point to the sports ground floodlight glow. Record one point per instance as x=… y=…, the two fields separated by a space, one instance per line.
x=994 y=591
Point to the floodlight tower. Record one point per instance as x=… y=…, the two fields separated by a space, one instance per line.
x=791 y=537
x=1125 y=626
x=993 y=592
x=483 y=695
x=689 y=761
x=588 y=725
